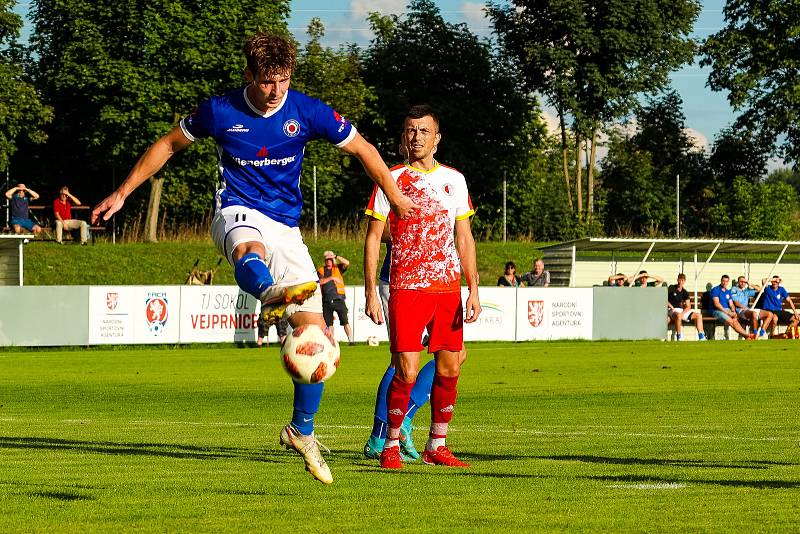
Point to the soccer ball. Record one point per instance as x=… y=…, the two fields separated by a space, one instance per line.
x=309 y=354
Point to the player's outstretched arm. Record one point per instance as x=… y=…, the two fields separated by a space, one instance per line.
x=372 y=246
x=150 y=163
x=377 y=170
x=465 y=244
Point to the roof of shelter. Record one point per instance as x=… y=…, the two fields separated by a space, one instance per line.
x=676 y=245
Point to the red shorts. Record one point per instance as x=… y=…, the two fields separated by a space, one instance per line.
x=410 y=311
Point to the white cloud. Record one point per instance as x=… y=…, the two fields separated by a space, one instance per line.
x=698 y=139
x=359 y=9
x=474 y=14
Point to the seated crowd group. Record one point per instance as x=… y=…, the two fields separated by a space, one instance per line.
x=21 y=219
x=739 y=307
x=536 y=277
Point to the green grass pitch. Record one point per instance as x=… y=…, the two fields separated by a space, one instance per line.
x=575 y=436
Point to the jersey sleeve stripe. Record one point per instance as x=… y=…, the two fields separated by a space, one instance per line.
x=189 y=136
x=375 y=215
x=349 y=137
x=466 y=215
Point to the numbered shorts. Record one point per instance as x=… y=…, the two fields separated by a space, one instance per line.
x=411 y=311
x=286 y=254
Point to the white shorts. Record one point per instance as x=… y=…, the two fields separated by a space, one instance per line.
x=286 y=254
x=686 y=316
x=741 y=313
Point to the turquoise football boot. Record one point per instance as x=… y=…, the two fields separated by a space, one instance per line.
x=374 y=447
x=407 y=449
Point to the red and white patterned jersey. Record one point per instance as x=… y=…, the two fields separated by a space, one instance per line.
x=424 y=255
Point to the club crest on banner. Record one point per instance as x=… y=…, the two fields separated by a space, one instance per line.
x=112 y=299
x=156 y=312
x=535 y=312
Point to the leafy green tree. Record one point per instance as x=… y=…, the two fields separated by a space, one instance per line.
x=591 y=60
x=121 y=73
x=488 y=120
x=737 y=153
x=786 y=175
x=335 y=77
x=766 y=210
x=636 y=202
x=755 y=59
x=663 y=151
x=22 y=114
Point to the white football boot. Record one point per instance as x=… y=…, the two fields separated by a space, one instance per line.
x=308 y=448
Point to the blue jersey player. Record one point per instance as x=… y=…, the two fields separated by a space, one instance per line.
x=261 y=131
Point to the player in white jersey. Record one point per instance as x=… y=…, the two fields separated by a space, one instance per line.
x=261 y=131
x=429 y=251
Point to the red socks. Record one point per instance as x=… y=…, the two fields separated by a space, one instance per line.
x=397 y=400
x=443 y=401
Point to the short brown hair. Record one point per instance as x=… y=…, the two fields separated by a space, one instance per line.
x=270 y=54
x=423 y=110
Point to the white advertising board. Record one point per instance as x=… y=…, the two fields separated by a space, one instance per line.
x=497 y=321
x=363 y=327
x=219 y=314
x=554 y=313
x=134 y=314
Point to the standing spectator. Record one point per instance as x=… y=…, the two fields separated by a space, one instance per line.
x=509 y=277
x=618 y=280
x=538 y=277
x=679 y=309
x=723 y=309
x=20 y=209
x=282 y=326
x=742 y=294
x=332 y=284
x=641 y=280
x=62 y=210
x=774 y=295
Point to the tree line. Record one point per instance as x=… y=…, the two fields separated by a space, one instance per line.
x=99 y=81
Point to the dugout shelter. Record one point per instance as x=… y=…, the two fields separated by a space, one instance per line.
x=590 y=261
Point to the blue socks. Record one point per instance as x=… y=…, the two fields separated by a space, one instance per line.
x=420 y=394
x=252 y=274
x=307 y=398
x=379 y=425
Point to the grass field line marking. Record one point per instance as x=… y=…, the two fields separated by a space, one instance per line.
x=484 y=430
x=655 y=486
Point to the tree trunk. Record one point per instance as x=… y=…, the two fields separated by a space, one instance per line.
x=151 y=219
x=564 y=156
x=590 y=186
x=578 y=176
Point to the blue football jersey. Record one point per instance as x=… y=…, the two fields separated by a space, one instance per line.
x=261 y=154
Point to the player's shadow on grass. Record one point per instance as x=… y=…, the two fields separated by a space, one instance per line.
x=166 y=450
x=755 y=464
x=643 y=479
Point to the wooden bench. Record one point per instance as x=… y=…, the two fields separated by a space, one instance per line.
x=44 y=216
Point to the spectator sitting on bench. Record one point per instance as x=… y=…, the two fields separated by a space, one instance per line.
x=617 y=280
x=62 y=210
x=772 y=301
x=742 y=294
x=679 y=310
x=20 y=209
x=722 y=308
x=640 y=280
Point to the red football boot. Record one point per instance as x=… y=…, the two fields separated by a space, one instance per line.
x=390 y=458
x=442 y=456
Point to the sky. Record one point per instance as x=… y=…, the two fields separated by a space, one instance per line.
x=345 y=22
x=707 y=112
